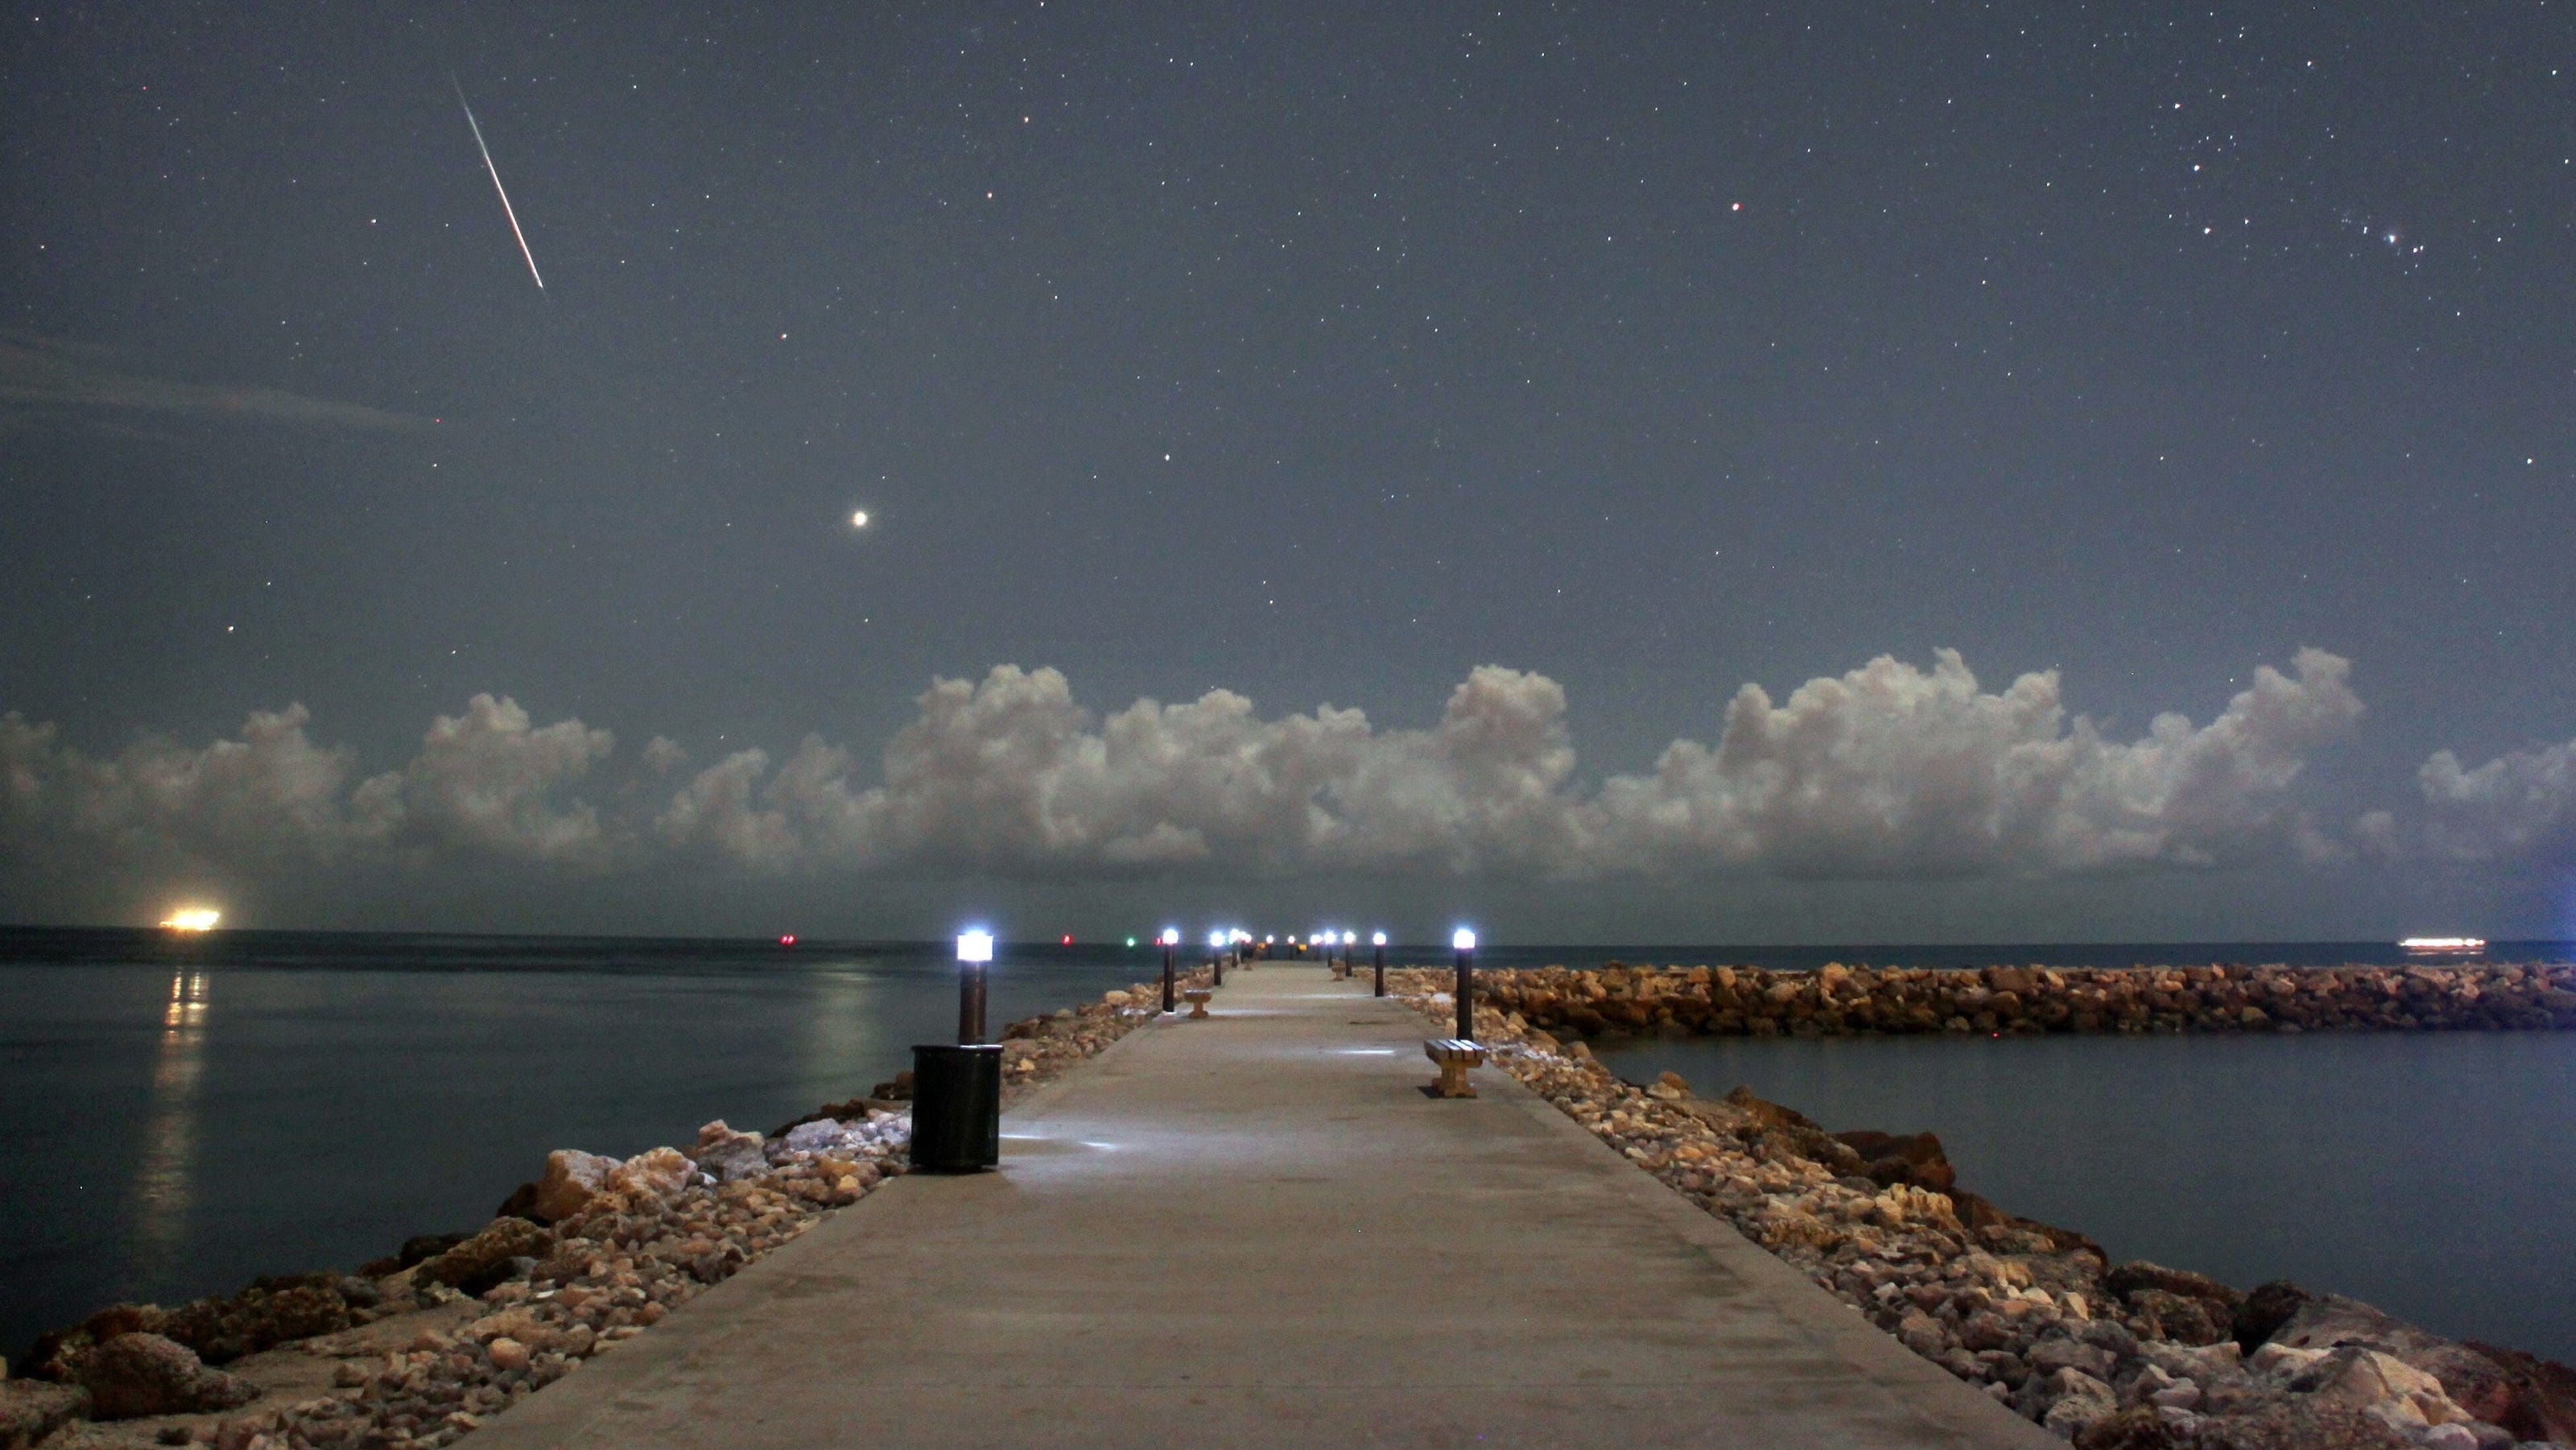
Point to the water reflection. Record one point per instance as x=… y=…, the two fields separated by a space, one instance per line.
x=166 y=1180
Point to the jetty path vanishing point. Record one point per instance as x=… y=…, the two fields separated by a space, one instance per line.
x=1257 y=1230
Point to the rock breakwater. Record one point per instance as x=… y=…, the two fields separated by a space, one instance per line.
x=2126 y=1356
x=1839 y=1000
x=418 y=1349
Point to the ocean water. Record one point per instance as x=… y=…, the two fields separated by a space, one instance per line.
x=2427 y=1173
x=179 y=1115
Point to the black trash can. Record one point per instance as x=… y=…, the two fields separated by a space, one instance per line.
x=956 y=1107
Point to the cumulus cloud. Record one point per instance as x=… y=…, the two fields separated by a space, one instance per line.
x=1011 y=776
x=1894 y=771
x=490 y=782
x=486 y=785
x=1890 y=771
x=269 y=797
x=2520 y=806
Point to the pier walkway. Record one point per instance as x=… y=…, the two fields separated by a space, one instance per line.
x=1257 y=1231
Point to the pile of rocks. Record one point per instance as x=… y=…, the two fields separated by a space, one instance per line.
x=2133 y=1356
x=430 y=1342
x=1838 y=1000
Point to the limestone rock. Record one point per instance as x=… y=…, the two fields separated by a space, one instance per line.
x=268 y=1313
x=133 y=1375
x=730 y=1155
x=2139 y=1427
x=2057 y=1351
x=2069 y=1402
x=2382 y=1384
x=572 y=1179
x=2136 y=1274
x=659 y=1173
x=2266 y=1309
x=31 y=1409
x=2300 y=1422
x=484 y=1260
x=821 y=1136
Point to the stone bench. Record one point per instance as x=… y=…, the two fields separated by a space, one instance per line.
x=1197 y=997
x=1455 y=1055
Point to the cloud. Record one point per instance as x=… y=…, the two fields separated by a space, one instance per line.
x=1895 y=772
x=2520 y=806
x=271 y=797
x=489 y=783
x=39 y=377
x=1888 y=772
x=485 y=786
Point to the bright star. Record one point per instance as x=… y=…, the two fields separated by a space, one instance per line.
x=859 y=520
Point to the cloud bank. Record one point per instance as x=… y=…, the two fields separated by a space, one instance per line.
x=2517 y=808
x=1889 y=772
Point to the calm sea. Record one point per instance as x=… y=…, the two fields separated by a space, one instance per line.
x=180 y=1115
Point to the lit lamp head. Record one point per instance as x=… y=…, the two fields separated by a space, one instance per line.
x=1171 y=936
x=1350 y=938
x=975 y=947
x=1216 y=939
x=1377 y=938
x=1463 y=939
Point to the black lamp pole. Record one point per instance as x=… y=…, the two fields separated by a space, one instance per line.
x=1167 y=974
x=970 y=1003
x=1466 y=994
x=1380 y=973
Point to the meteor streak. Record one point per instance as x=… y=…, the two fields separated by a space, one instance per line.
x=506 y=209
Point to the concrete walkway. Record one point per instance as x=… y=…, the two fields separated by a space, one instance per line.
x=1257 y=1231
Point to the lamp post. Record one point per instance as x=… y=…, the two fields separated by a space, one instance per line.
x=1171 y=939
x=1350 y=939
x=1465 y=942
x=1216 y=957
x=974 y=955
x=1378 y=940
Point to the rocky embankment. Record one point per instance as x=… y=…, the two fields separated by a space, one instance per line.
x=2131 y=1356
x=417 y=1349
x=1840 y=1000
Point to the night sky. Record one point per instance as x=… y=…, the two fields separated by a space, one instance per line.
x=1320 y=354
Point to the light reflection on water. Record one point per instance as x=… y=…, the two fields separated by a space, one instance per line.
x=179 y=1117
x=164 y=1182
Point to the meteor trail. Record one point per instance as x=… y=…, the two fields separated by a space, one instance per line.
x=506 y=209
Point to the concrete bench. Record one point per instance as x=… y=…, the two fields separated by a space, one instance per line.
x=1455 y=1055
x=1197 y=997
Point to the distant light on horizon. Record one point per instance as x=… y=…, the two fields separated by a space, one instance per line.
x=193 y=918
x=2443 y=944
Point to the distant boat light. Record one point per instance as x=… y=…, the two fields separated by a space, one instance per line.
x=787 y=939
x=194 y=918
x=2443 y=944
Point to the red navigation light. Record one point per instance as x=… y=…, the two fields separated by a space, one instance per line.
x=788 y=940
x=1068 y=940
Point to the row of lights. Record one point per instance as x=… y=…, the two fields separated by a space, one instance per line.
x=977 y=945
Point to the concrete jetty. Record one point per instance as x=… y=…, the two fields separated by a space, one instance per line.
x=1257 y=1230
